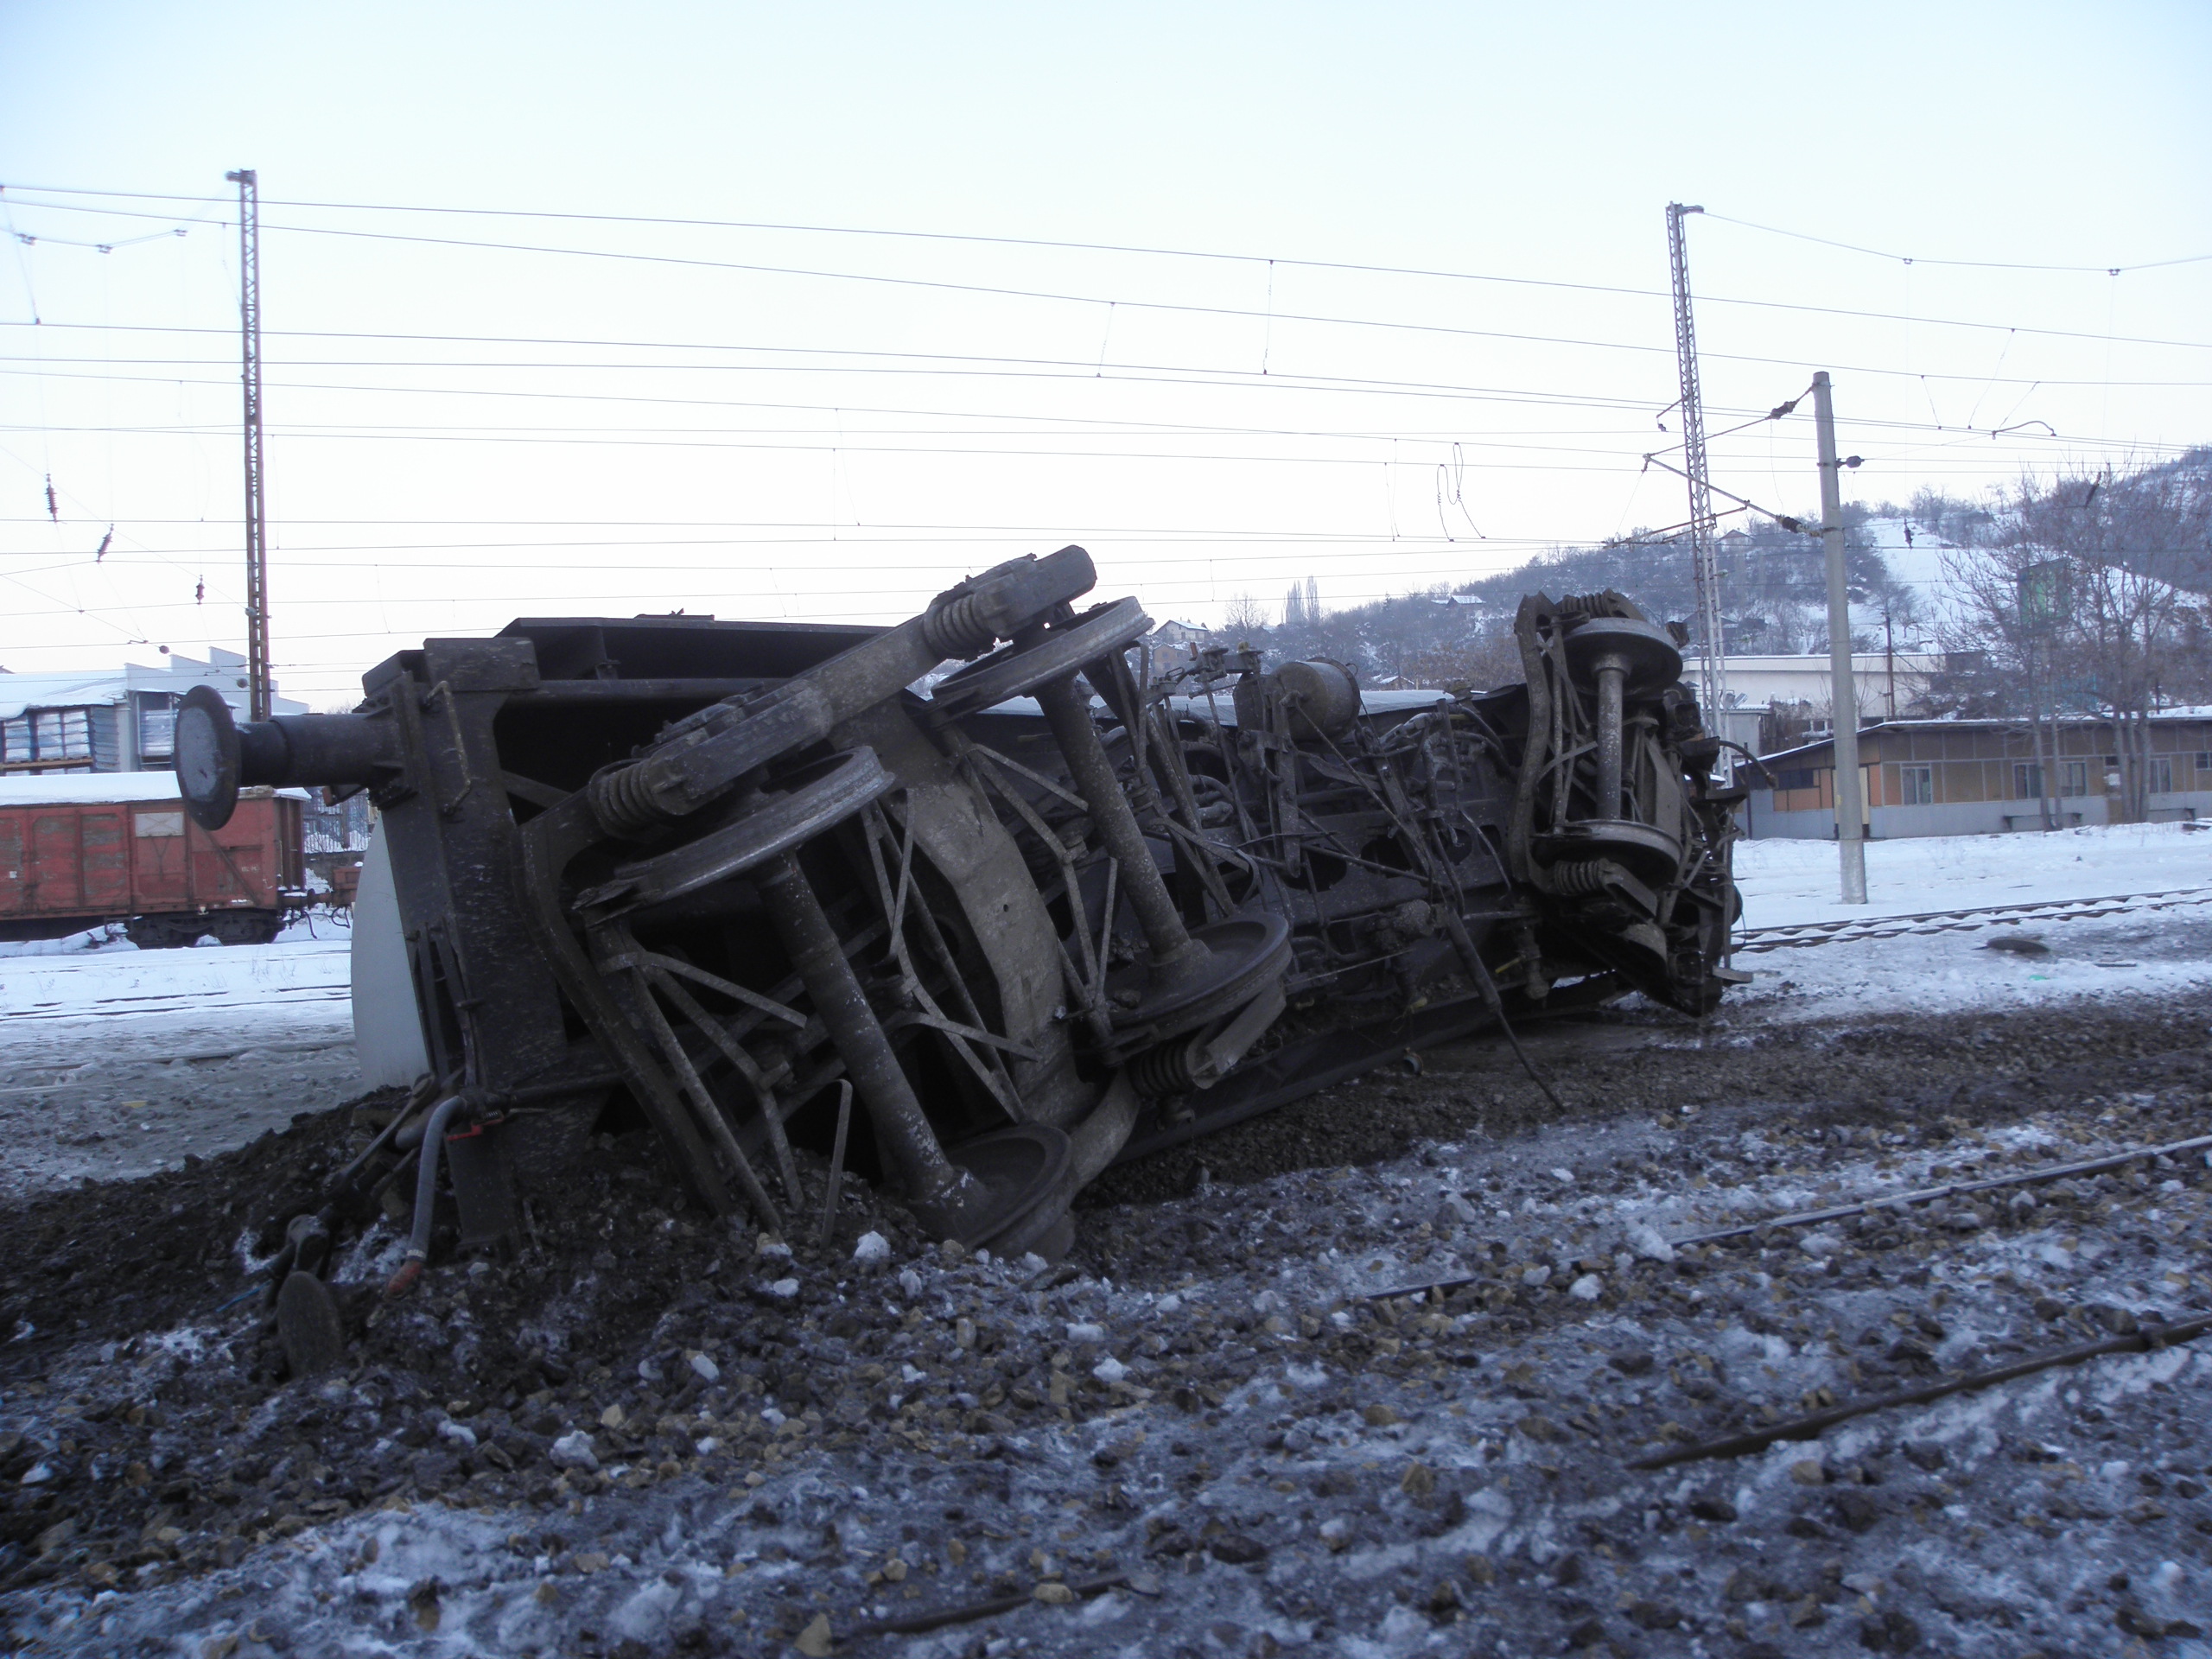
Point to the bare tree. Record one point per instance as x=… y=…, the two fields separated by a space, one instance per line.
x=2003 y=624
x=1479 y=661
x=2071 y=597
x=1243 y=616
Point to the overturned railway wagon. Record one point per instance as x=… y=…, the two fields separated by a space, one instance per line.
x=981 y=940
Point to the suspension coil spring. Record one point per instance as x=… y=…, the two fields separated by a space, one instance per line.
x=622 y=802
x=1164 y=1070
x=1582 y=880
x=957 y=628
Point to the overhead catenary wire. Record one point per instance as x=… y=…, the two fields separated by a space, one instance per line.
x=1967 y=264
x=1048 y=297
x=1071 y=438
x=1051 y=369
x=1253 y=259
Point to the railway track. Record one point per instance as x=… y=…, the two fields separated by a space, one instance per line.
x=1800 y=935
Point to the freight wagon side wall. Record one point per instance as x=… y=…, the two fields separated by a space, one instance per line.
x=161 y=860
x=245 y=863
x=105 y=860
x=63 y=859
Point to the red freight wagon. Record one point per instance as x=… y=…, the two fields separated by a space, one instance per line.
x=87 y=847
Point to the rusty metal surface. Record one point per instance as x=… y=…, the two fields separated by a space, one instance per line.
x=1054 y=913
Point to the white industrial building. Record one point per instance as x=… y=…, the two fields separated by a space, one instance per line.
x=1887 y=684
x=110 y=720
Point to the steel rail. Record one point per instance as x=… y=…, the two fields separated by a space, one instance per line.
x=1799 y=935
x=1809 y=1427
x=1955 y=1189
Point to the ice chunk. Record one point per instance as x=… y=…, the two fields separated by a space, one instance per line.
x=871 y=1248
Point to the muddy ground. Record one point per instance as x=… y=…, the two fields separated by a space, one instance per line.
x=650 y=1432
x=117 y=1062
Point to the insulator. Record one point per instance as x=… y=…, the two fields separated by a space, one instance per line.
x=622 y=803
x=957 y=628
x=1163 y=1071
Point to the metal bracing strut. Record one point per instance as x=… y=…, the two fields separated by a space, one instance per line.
x=1713 y=663
x=256 y=523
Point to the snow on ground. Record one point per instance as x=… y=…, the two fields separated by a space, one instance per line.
x=122 y=984
x=2150 y=951
x=1288 y=1462
x=1786 y=881
x=116 y=1061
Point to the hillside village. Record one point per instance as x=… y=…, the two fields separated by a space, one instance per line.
x=1933 y=584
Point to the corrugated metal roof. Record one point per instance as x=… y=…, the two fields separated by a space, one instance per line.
x=2070 y=722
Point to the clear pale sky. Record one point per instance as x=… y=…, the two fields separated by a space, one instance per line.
x=459 y=435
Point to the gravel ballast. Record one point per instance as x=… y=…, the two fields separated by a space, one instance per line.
x=1206 y=1431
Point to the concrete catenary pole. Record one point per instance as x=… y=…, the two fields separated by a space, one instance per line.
x=1850 y=811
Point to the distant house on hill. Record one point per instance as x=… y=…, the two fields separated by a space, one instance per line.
x=1176 y=644
x=110 y=720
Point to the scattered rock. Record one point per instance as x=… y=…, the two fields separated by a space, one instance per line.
x=1655 y=1615
x=574 y=1451
x=1890 y=1631
x=1856 y=1509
